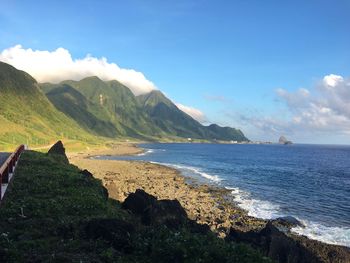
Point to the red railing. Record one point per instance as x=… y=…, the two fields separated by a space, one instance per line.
x=9 y=166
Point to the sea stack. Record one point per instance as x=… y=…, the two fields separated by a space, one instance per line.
x=283 y=140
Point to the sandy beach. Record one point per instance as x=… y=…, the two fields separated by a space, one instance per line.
x=203 y=203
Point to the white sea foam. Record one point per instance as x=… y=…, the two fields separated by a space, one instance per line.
x=267 y=210
x=148 y=151
x=330 y=235
x=193 y=170
x=254 y=207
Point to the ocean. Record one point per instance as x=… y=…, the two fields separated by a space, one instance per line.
x=308 y=182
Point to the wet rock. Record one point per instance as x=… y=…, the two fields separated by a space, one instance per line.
x=288 y=221
x=58 y=152
x=275 y=245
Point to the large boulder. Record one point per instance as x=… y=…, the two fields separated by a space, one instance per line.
x=167 y=212
x=139 y=202
x=58 y=152
x=154 y=212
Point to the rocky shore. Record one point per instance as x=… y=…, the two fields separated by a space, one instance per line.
x=206 y=205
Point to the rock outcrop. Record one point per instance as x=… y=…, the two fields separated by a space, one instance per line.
x=289 y=248
x=283 y=140
x=288 y=222
x=155 y=212
x=274 y=244
x=58 y=152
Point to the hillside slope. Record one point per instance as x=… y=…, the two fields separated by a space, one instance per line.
x=27 y=116
x=68 y=217
x=109 y=102
x=175 y=122
x=97 y=104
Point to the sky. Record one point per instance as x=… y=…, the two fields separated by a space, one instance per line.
x=270 y=68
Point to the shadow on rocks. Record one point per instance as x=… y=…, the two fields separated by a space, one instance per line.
x=160 y=212
x=290 y=249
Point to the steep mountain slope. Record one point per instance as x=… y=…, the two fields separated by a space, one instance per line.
x=80 y=110
x=68 y=100
x=26 y=115
x=119 y=105
x=175 y=122
x=168 y=117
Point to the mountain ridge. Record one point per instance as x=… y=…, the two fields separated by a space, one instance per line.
x=93 y=108
x=27 y=116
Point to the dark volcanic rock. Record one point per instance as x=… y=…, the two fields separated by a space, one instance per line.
x=86 y=173
x=114 y=231
x=288 y=221
x=59 y=152
x=275 y=245
x=154 y=212
x=167 y=212
x=198 y=228
x=290 y=248
x=139 y=202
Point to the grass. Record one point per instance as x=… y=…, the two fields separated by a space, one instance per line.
x=50 y=209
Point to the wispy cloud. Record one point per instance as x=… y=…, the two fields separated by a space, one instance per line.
x=327 y=108
x=193 y=112
x=323 y=109
x=58 y=65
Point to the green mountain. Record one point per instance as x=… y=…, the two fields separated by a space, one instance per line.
x=66 y=99
x=174 y=121
x=107 y=101
x=91 y=110
x=148 y=116
x=27 y=116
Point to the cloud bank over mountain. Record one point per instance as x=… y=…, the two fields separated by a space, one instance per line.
x=193 y=112
x=58 y=65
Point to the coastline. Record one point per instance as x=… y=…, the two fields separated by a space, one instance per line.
x=206 y=204
x=203 y=203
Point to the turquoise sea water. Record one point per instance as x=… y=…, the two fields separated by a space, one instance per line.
x=309 y=182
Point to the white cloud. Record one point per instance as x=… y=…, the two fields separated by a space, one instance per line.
x=332 y=80
x=58 y=65
x=327 y=109
x=193 y=112
x=320 y=112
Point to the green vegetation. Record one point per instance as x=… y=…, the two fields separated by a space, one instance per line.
x=150 y=116
x=90 y=112
x=110 y=102
x=54 y=213
x=177 y=123
x=27 y=116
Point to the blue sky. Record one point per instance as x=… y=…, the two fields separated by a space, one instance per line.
x=238 y=62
